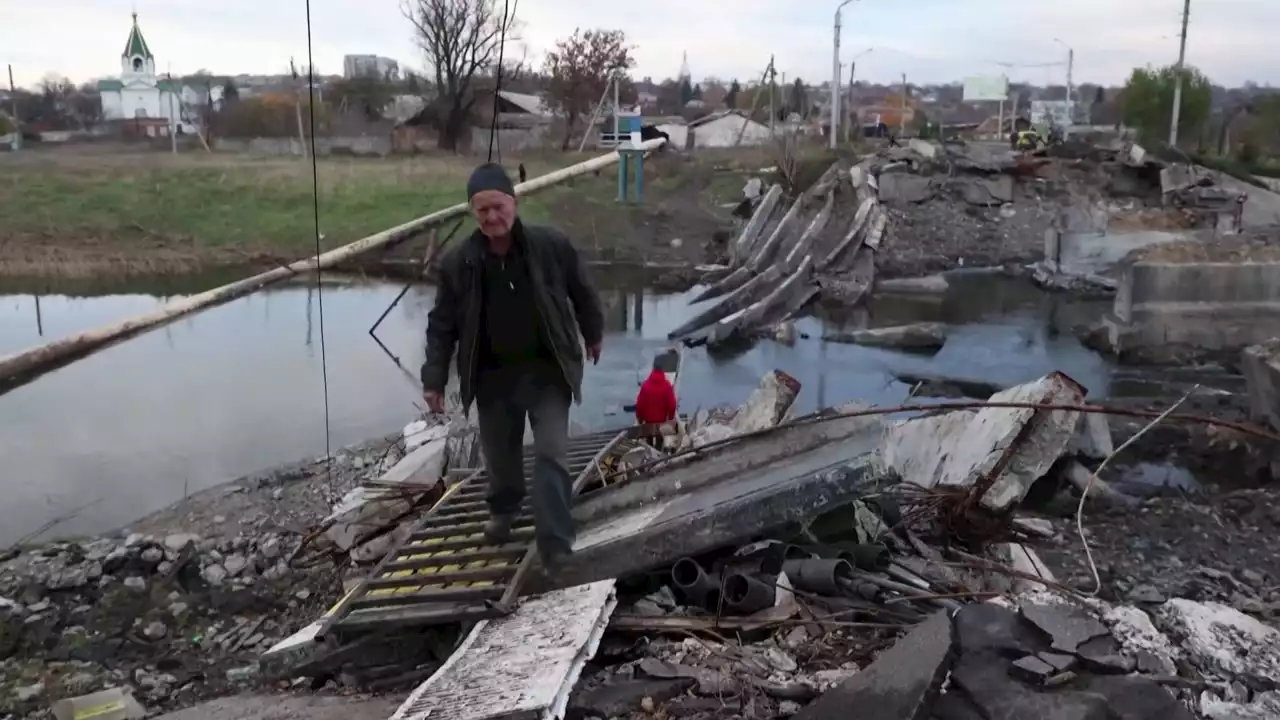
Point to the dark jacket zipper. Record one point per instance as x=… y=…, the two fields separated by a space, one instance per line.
x=474 y=313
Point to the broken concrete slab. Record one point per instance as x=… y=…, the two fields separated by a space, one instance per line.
x=1025 y=560
x=1137 y=698
x=1067 y=625
x=927 y=285
x=994 y=191
x=718 y=515
x=1093 y=437
x=367 y=508
x=918 y=337
x=745 y=243
x=522 y=665
x=985 y=684
x=1261 y=366
x=721 y=463
x=1033 y=670
x=1013 y=447
x=1139 y=638
x=904 y=188
x=769 y=404
x=987 y=627
x=1221 y=639
x=900 y=684
x=1263 y=706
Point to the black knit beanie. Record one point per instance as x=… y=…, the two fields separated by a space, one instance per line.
x=489 y=176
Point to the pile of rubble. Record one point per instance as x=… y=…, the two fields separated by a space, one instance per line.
x=171 y=616
x=926 y=208
x=179 y=609
x=763 y=565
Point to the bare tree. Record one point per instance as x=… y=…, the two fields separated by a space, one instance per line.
x=580 y=69
x=460 y=39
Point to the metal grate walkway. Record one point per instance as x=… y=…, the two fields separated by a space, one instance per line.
x=446 y=571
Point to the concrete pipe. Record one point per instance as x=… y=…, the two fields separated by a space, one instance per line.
x=695 y=584
x=821 y=576
x=744 y=594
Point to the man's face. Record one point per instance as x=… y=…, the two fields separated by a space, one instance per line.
x=495 y=211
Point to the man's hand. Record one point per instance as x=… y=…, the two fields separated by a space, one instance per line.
x=435 y=400
x=593 y=352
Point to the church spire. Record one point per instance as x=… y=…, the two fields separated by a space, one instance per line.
x=684 y=66
x=137 y=46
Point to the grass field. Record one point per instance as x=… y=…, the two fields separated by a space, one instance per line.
x=76 y=212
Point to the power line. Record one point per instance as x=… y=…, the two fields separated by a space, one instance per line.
x=315 y=205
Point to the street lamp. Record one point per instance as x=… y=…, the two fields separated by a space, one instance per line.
x=835 y=75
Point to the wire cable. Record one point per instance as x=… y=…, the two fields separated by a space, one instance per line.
x=507 y=13
x=315 y=185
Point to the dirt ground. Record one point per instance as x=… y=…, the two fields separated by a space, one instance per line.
x=74 y=213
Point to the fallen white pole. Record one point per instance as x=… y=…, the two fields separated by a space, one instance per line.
x=81 y=344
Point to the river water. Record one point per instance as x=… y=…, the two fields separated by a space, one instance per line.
x=240 y=388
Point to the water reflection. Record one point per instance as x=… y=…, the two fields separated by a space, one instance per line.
x=238 y=388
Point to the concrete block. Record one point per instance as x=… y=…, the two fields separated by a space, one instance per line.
x=1262 y=376
x=900 y=685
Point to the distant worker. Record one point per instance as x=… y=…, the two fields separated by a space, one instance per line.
x=656 y=401
x=523 y=175
x=515 y=304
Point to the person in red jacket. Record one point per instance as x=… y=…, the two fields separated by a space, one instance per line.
x=656 y=402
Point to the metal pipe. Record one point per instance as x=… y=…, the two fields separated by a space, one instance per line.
x=818 y=575
x=695 y=584
x=745 y=595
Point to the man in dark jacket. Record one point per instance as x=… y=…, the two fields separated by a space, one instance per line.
x=512 y=300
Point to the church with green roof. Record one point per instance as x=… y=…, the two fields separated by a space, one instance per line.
x=139 y=93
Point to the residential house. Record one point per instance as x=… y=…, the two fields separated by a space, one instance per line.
x=722 y=129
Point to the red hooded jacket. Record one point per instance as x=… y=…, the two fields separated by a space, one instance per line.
x=656 y=402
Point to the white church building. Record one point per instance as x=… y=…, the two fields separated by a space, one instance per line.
x=140 y=94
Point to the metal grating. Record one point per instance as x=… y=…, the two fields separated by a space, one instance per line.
x=446 y=571
x=523 y=665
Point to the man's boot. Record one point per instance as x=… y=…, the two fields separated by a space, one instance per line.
x=498 y=530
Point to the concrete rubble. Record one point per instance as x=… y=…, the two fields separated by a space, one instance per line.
x=839 y=238
x=764 y=565
x=754 y=601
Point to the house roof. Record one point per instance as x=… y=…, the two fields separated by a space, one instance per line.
x=137 y=45
x=531 y=104
x=716 y=116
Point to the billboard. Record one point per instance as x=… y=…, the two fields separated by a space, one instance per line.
x=1050 y=113
x=986 y=88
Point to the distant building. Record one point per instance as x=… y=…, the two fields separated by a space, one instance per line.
x=370 y=66
x=721 y=129
x=152 y=103
x=139 y=93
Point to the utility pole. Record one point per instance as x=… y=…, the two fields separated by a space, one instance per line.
x=902 y=113
x=755 y=101
x=1071 y=61
x=835 y=76
x=17 y=124
x=297 y=108
x=853 y=65
x=173 y=122
x=773 y=86
x=1177 y=82
x=616 y=122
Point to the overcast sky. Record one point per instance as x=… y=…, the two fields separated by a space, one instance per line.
x=929 y=40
